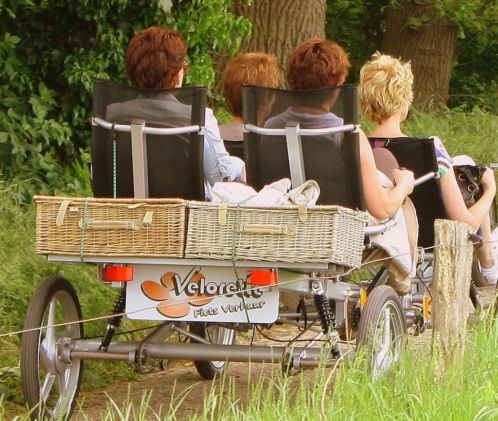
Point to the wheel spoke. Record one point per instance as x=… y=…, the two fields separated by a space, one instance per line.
x=387 y=327
x=50 y=330
x=382 y=361
x=48 y=383
x=64 y=391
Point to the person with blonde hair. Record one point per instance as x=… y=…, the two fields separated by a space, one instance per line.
x=386 y=95
x=255 y=68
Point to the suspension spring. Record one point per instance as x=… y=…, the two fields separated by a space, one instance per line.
x=474 y=294
x=115 y=320
x=322 y=304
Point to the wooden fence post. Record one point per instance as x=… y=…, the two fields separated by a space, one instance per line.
x=450 y=290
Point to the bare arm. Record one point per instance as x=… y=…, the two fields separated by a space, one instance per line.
x=455 y=206
x=380 y=202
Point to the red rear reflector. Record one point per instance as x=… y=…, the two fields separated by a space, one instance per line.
x=112 y=273
x=262 y=277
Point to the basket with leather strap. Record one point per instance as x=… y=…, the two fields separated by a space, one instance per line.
x=110 y=227
x=319 y=234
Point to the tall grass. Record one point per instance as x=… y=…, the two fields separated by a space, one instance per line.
x=468 y=391
x=412 y=390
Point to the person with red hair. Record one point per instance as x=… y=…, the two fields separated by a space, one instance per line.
x=156 y=59
x=319 y=63
x=256 y=68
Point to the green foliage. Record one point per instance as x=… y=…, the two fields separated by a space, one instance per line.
x=359 y=26
x=50 y=52
x=471 y=133
x=208 y=27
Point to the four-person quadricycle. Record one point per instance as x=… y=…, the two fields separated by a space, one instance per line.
x=207 y=270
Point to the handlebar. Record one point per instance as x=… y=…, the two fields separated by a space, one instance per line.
x=379 y=229
x=426 y=177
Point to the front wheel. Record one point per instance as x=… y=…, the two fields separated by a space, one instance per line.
x=216 y=335
x=50 y=380
x=382 y=329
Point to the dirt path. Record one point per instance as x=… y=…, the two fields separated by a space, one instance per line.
x=180 y=380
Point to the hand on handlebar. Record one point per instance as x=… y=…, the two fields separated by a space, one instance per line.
x=403 y=177
x=488 y=180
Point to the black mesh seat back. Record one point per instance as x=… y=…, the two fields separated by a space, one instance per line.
x=418 y=155
x=331 y=160
x=174 y=162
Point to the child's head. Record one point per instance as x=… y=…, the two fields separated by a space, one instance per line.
x=248 y=69
x=385 y=87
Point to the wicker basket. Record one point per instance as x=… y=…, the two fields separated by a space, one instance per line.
x=110 y=227
x=321 y=234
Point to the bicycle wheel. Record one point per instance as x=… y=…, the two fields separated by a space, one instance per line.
x=50 y=381
x=216 y=335
x=382 y=329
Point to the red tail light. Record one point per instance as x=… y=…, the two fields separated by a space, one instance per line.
x=111 y=273
x=264 y=277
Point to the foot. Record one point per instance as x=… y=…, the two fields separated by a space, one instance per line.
x=491 y=274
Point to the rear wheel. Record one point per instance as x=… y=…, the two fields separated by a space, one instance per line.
x=216 y=335
x=382 y=329
x=50 y=381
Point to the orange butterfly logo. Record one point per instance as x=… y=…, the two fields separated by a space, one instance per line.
x=170 y=292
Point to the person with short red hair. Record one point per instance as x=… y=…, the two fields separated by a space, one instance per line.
x=156 y=59
x=316 y=64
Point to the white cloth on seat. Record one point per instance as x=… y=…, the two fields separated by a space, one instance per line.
x=396 y=241
x=305 y=194
x=274 y=194
x=271 y=194
x=231 y=192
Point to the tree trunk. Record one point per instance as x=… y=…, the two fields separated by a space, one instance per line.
x=415 y=32
x=279 y=26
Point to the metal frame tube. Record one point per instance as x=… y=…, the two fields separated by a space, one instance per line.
x=120 y=351
x=378 y=229
x=295 y=154
x=139 y=160
x=147 y=130
x=302 y=132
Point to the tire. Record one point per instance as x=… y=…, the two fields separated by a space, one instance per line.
x=383 y=313
x=50 y=385
x=217 y=335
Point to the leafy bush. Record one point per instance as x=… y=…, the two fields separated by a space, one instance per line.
x=50 y=52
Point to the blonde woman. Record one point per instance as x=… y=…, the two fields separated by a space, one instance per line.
x=386 y=94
